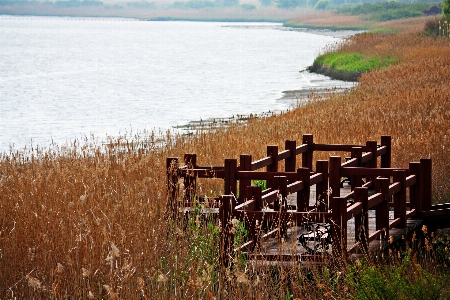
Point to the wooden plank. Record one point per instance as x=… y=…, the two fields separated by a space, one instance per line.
x=252 y=175
x=411 y=180
x=394 y=188
x=354 y=210
x=350 y=163
x=375 y=199
x=295 y=187
x=337 y=147
x=316 y=178
x=283 y=155
x=352 y=171
x=263 y=162
x=249 y=204
x=301 y=149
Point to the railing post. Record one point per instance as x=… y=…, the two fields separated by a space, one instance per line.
x=362 y=220
x=254 y=192
x=245 y=164
x=280 y=183
x=272 y=151
x=382 y=209
x=356 y=180
x=303 y=195
x=172 y=186
x=372 y=146
x=322 y=187
x=230 y=186
x=226 y=234
x=335 y=176
x=339 y=227
x=307 y=157
x=386 y=158
x=400 y=197
x=415 y=195
x=190 y=183
x=426 y=183
x=290 y=163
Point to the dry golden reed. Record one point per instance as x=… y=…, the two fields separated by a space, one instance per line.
x=85 y=221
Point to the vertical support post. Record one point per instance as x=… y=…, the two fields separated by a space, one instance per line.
x=414 y=190
x=335 y=176
x=254 y=192
x=226 y=234
x=303 y=195
x=307 y=157
x=400 y=197
x=386 y=158
x=291 y=162
x=356 y=180
x=339 y=227
x=426 y=181
x=272 y=151
x=280 y=183
x=245 y=164
x=362 y=220
x=382 y=209
x=372 y=147
x=322 y=187
x=172 y=186
x=190 y=183
x=230 y=186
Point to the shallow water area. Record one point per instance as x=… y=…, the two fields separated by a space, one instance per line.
x=63 y=78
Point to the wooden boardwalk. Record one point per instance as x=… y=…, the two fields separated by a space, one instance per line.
x=381 y=204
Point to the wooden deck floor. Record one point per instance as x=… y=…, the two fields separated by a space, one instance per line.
x=291 y=246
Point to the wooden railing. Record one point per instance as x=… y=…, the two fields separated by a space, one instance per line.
x=401 y=188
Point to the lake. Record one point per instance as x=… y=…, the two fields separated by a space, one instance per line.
x=64 y=78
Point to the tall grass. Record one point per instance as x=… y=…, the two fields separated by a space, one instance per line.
x=87 y=221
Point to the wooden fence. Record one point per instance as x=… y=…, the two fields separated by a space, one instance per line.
x=408 y=191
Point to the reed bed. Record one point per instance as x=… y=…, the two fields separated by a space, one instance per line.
x=86 y=221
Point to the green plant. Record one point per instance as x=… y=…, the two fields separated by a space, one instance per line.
x=261 y=183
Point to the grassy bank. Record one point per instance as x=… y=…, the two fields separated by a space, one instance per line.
x=86 y=220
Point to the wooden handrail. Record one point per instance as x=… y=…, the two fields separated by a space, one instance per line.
x=327 y=179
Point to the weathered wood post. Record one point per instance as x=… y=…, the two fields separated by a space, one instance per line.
x=307 y=157
x=245 y=164
x=226 y=234
x=415 y=195
x=272 y=151
x=426 y=183
x=372 y=148
x=172 y=186
x=356 y=181
x=386 y=158
x=290 y=163
x=362 y=220
x=400 y=197
x=303 y=195
x=254 y=193
x=382 y=209
x=339 y=227
x=280 y=183
x=335 y=176
x=230 y=185
x=322 y=187
x=190 y=183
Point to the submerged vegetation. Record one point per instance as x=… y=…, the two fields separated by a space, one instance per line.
x=87 y=221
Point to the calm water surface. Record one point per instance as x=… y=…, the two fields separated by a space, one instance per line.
x=65 y=78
